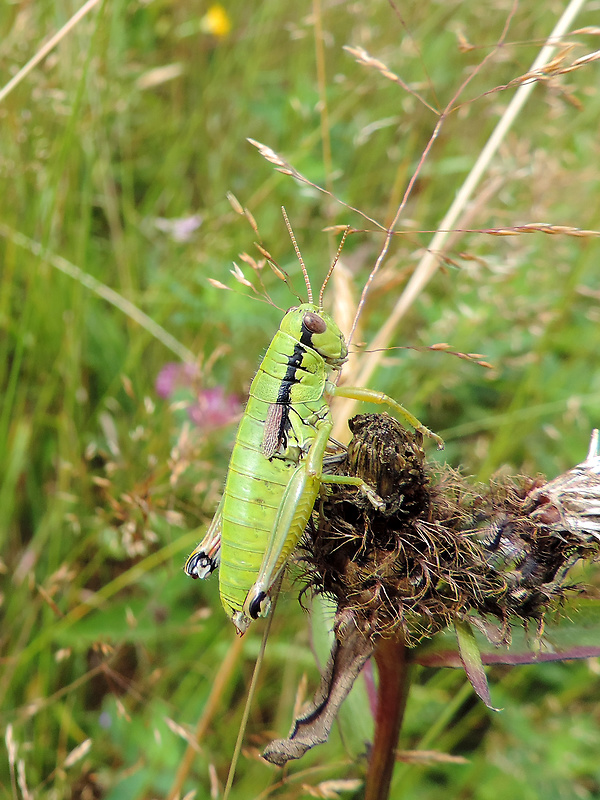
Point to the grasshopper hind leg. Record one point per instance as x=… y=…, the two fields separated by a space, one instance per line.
x=205 y=558
x=259 y=605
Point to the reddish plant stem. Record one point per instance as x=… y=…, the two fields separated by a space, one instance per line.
x=391 y=656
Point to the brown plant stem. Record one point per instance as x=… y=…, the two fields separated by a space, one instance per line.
x=391 y=656
x=211 y=709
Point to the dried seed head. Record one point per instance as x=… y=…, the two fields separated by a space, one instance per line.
x=441 y=549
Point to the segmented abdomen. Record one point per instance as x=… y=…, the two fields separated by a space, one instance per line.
x=253 y=493
x=293 y=377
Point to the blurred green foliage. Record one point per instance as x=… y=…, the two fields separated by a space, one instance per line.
x=140 y=115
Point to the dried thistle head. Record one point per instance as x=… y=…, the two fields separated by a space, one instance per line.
x=440 y=549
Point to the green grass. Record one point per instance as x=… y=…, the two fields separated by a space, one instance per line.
x=101 y=481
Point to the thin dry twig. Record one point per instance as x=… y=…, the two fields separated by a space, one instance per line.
x=211 y=708
x=386 y=244
x=367 y=60
x=286 y=168
x=47 y=48
x=360 y=374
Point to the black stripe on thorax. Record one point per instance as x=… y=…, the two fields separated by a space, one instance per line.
x=294 y=363
x=283 y=403
x=290 y=378
x=285 y=388
x=278 y=423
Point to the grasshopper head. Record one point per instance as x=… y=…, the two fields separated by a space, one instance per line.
x=313 y=327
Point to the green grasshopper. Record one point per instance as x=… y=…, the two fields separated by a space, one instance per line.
x=280 y=457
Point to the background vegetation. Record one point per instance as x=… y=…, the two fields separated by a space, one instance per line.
x=116 y=154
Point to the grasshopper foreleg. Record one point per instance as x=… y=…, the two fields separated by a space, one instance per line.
x=349 y=480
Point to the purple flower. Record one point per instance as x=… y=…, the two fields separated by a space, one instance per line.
x=175 y=376
x=180 y=229
x=206 y=408
x=214 y=408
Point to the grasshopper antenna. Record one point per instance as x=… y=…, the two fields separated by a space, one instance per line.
x=299 y=254
x=332 y=267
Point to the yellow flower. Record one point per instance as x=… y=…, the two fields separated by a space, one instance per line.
x=216 y=21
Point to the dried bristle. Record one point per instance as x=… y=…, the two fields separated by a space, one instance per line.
x=442 y=548
x=332 y=267
x=299 y=255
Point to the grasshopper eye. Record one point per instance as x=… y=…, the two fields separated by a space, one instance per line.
x=314 y=323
